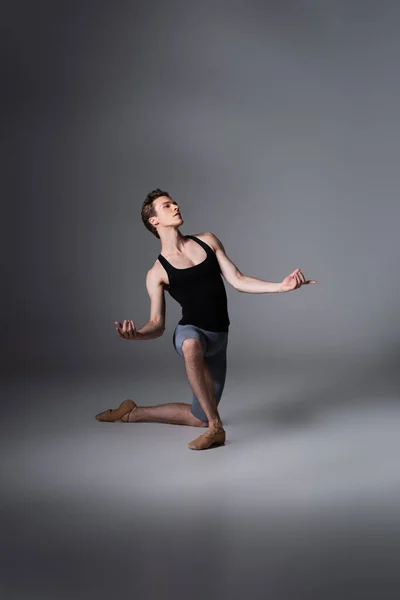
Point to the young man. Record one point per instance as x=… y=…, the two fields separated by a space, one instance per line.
x=189 y=268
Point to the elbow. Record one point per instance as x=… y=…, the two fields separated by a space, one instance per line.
x=159 y=325
x=238 y=283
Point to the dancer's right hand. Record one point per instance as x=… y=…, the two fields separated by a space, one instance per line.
x=127 y=330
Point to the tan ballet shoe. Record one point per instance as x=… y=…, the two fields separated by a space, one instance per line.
x=115 y=415
x=212 y=437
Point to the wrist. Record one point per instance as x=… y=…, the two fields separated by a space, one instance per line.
x=282 y=290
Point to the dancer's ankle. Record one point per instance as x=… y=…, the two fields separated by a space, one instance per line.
x=215 y=423
x=131 y=416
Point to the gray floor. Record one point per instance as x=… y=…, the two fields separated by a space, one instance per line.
x=301 y=502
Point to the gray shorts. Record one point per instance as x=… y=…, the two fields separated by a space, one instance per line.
x=214 y=344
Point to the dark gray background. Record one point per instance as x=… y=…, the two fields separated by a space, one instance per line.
x=275 y=126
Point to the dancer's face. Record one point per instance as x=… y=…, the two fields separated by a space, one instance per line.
x=167 y=210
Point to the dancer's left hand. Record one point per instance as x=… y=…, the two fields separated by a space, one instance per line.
x=294 y=281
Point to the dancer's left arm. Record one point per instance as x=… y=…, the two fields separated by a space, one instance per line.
x=251 y=285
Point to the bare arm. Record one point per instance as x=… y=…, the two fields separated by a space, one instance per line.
x=251 y=285
x=241 y=283
x=150 y=331
x=156 y=325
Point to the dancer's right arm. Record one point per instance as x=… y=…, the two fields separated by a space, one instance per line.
x=127 y=330
x=156 y=325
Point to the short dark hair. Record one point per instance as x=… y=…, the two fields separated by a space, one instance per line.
x=148 y=209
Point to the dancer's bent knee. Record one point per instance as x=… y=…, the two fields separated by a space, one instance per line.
x=192 y=346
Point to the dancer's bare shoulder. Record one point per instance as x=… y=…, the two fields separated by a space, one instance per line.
x=158 y=273
x=208 y=238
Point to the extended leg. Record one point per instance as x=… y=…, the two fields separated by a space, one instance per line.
x=175 y=413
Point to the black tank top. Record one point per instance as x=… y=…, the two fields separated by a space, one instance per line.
x=200 y=291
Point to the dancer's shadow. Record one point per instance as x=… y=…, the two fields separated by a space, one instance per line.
x=319 y=394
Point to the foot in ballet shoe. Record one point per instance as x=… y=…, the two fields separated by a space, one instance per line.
x=212 y=437
x=115 y=415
